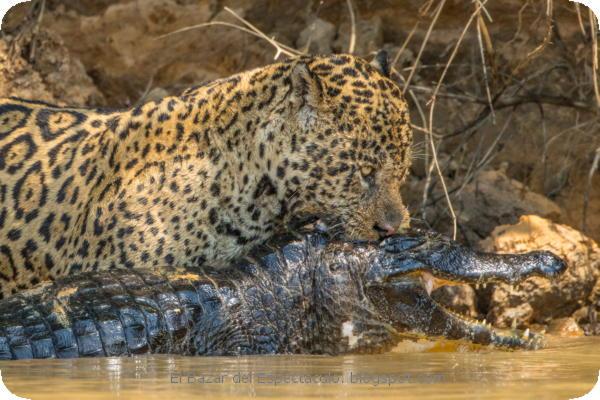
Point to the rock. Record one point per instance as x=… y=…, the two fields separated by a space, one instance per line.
x=158 y=13
x=19 y=79
x=405 y=59
x=369 y=36
x=564 y=327
x=588 y=316
x=537 y=300
x=53 y=75
x=156 y=94
x=63 y=74
x=317 y=37
x=494 y=199
x=124 y=47
x=489 y=200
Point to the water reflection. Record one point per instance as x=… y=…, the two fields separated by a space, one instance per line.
x=568 y=368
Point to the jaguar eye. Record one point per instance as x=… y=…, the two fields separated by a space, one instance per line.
x=367 y=174
x=366 y=171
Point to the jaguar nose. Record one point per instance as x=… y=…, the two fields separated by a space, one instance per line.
x=391 y=222
x=385 y=229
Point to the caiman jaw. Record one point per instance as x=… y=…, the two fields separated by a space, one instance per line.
x=430 y=282
x=422 y=316
x=406 y=268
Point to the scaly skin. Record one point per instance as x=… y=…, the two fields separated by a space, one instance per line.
x=312 y=296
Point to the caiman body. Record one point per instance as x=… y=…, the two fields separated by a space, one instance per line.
x=308 y=295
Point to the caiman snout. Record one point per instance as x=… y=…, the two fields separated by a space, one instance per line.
x=409 y=266
x=444 y=259
x=547 y=264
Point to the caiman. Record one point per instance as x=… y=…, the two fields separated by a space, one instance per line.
x=310 y=295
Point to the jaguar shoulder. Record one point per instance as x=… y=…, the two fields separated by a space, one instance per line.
x=203 y=176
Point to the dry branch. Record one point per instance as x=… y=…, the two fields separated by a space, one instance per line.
x=352 y=43
x=425 y=40
x=251 y=29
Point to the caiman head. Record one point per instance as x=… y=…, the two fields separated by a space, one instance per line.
x=372 y=296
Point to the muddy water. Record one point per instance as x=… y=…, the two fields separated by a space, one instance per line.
x=567 y=368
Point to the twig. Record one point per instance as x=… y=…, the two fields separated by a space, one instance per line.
x=146 y=91
x=519 y=22
x=487 y=157
x=424 y=9
x=403 y=47
x=429 y=132
x=454 y=51
x=485 y=11
x=594 y=55
x=279 y=47
x=480 y=22
x=441 y=176
x=545 y=146
x=36 y=28
x=536 y=52
x=276 y=44
x=586 y=196
x=474 y=170
x=580 y=20
x=312 y=27
x=425 y=40
x=28 y=30
x=431 y=108
x=352 y=27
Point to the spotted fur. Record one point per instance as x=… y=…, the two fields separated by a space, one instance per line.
x=203 y=176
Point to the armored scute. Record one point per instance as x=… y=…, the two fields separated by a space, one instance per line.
x=311 y=295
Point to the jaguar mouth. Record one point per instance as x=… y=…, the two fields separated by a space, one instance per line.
x=382 y=232
x=302 y=223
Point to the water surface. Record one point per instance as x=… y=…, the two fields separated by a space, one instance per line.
x=567 y=368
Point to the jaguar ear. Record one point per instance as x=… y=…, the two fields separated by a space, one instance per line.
x=381 y=63
x=306 y=85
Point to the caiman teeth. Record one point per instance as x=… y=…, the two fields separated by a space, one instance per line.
x=431 y=282
x=485 y=323
x=526 y=334
x=428 y=282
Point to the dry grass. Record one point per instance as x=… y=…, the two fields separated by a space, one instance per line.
x=247 y=27
x=352 y=43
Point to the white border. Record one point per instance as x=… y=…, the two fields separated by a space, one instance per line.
x=594 y=394
x=593 y=4
x=6 y=5
x=6 y=394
